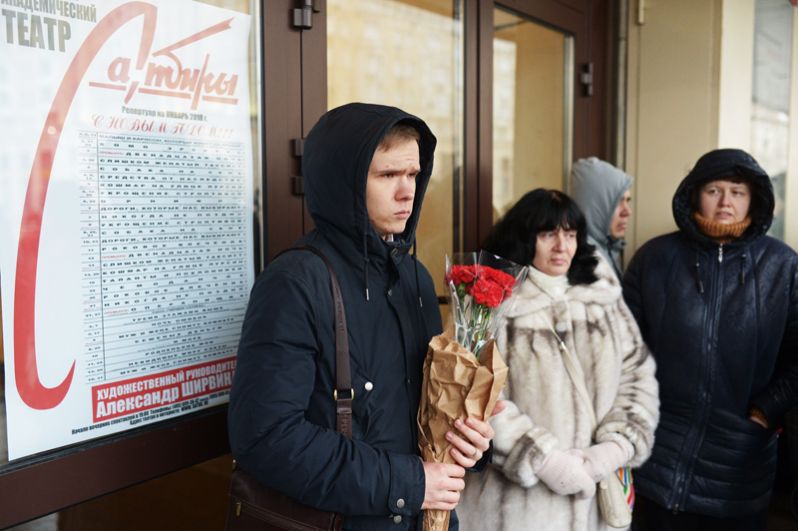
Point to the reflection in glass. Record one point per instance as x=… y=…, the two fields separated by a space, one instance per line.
x=531 y=108
x=770 y=109
x=408 y=54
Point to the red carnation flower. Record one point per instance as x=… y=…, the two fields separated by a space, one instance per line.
x=487 y=292
x=506 y=281
x=462 y=274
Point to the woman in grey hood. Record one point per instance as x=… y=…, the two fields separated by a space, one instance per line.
x=602 y=192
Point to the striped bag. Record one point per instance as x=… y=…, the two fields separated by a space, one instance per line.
x=616 y=497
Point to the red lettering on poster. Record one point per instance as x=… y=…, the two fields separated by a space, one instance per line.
x=173 y=80
x=126 y=397
x=26 y=373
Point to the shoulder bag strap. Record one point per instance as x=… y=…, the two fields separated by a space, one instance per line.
x=343 y=394
x=577 y=376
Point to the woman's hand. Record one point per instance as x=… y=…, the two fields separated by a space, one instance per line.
x=757 y=415
x=564 y=473
x=602 y=459
x=500 y=406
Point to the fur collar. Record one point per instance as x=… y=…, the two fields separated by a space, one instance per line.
x=531 y=297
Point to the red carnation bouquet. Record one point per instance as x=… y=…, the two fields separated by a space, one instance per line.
x=463 y=371
x=478 y=285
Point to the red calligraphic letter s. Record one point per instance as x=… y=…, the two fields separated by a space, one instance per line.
x=26 y=372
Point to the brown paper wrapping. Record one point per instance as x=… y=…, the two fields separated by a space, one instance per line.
x=456 y=385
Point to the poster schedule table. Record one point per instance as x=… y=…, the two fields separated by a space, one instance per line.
x=164 y=252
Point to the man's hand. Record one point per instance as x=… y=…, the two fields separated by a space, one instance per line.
x=442 y=485
x=471 y=443
x=474 y=438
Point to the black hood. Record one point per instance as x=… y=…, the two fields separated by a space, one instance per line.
x=338 y=152
x=725 y=164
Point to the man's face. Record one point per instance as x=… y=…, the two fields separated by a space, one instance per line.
x=620 y=218
x=391 y=187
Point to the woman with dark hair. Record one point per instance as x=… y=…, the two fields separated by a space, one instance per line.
x=717 y=303
x=548 y=454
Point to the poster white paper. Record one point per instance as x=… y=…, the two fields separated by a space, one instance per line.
x=126 y=247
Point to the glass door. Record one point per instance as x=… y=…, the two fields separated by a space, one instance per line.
x=408 y=54
x=532 y=107
x=513 y=93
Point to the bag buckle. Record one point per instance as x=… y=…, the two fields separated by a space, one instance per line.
x=351 y=394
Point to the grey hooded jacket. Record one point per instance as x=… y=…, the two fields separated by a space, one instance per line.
x=597 y=187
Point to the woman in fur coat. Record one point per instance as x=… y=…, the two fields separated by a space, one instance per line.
x=547 y=457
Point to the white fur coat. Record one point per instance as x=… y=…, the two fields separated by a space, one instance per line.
x=545 y=412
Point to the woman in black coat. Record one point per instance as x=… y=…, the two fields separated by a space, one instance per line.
x=717 y=303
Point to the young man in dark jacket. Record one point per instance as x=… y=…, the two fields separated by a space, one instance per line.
x=366 y=168
x=717 y=303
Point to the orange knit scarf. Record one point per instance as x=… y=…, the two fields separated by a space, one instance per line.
x=721 y=232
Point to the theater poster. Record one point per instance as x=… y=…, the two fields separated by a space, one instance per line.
x=126 y=246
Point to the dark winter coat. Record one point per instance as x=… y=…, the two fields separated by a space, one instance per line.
x=282 y=414
x=722 y=323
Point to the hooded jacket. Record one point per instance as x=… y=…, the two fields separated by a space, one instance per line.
x=282 y=413
x=597 y=187
x=722 y=323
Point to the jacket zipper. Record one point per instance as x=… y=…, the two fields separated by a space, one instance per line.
x=680 y=492
x=403 y=326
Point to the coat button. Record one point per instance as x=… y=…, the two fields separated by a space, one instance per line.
x=400 y=503
x=368 y=386
x=397 y=518
x=561 y=327
x=390 y=292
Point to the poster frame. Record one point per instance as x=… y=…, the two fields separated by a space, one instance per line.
x=73 y=474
